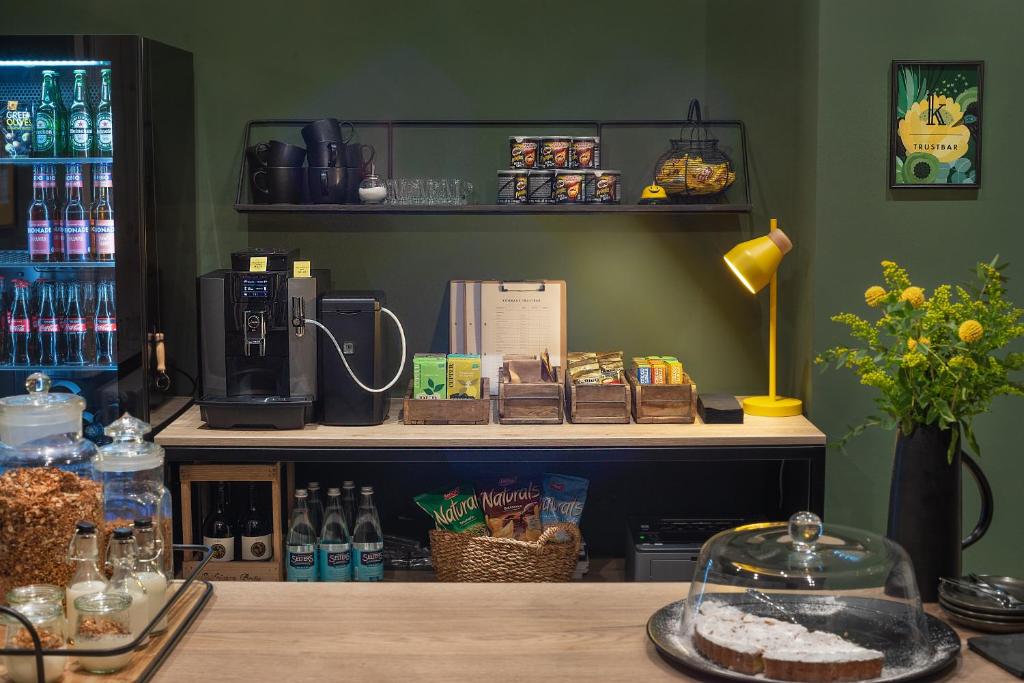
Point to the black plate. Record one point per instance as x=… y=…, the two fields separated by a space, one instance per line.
x=969 y=601
x=870 y=619
x=953 y=608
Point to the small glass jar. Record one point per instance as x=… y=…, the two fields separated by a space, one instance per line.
x=372 y=190
x=36 y=593
x=104 y=622
x=48 y=620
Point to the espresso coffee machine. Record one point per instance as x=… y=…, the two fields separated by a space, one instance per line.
x=354 y=321
x=259 y=359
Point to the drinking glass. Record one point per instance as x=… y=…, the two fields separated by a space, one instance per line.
x=437 y=192
x=393 y=197
x=463 y=191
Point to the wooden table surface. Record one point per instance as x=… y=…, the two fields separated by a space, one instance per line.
x=188 y=430
x=441 y=632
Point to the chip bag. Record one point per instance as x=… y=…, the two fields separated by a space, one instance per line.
x=563 y=501
x=512 y=509
x=454 y=509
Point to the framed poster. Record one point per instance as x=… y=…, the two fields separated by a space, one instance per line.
x=935 y=132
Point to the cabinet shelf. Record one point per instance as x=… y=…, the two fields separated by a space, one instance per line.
x=492 y=209
x=16 y=258
x=61 y=368
x=30 y=161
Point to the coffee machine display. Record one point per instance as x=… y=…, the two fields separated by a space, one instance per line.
x=259 y=360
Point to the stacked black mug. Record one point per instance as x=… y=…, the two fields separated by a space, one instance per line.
x=276 y=173
x=336 y=163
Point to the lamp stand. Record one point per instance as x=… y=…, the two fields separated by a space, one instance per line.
x=772 y=405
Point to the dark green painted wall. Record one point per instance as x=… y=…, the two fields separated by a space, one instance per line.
x=938 y=237
x=810 y=79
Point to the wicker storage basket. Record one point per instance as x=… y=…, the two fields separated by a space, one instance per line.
x=460 y=557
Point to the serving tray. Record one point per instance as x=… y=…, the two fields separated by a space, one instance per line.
x=869 y=621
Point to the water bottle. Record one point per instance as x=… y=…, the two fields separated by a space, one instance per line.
x=335 y=557
x=367 y=541
x=301 y=552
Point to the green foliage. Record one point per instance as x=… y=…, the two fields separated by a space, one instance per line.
x=925 y=372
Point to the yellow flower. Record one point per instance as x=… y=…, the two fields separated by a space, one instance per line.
x=915 y=295
x=963 y=363
x=971 y=331
x=874 y=296
x=921 y=131
x=911 y=360
x=912 y=343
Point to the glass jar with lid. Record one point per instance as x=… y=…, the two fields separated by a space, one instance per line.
x=103 y=623
x=131 y=471
x=48 y=621
x=803 y=600
x=43 y=459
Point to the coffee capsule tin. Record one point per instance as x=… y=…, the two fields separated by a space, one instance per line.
x=585 y=152
x=522 y=151
x=512 y=186
x=603 y=186
x=541 y=187
x=555 y=151
x=570 y=187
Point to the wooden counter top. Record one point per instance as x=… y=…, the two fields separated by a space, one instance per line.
x=441 y=632
x=189 y=431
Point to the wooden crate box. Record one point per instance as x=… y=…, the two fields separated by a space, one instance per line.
x=530 y=402
x=663 y=403
x=451 y=411
x=598 y=403
x=271 y=570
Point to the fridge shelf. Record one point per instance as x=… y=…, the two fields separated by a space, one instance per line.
x=31 y=161
x=62 y=367
x=17 y=258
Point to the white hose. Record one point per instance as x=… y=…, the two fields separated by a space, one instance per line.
x=337 y=347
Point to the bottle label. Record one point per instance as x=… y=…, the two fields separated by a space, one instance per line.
x=49 y=325
x=105 y=131
x=367 y=565
x=40 y=237
x=76 y=237
x=301 y=563
x=80 y=131
x=73 y=178
x=103 y=179
x=103 y=229
x=223 y=548
x=110 y=325
x=20 y=325
x=335 y=562
x=73 y=325
x=44 y=131
x=254 y=548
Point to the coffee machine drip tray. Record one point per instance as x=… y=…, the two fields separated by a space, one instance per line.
x=276 y=412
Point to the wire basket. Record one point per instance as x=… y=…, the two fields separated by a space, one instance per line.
x=460 y=557
x=694 y=166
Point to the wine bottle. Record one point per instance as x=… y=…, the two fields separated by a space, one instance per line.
x=257 y=536
x=218 y=532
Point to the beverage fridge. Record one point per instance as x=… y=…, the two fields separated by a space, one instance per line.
x=97 y=223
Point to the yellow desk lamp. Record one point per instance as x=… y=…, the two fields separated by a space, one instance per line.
x=754 y=262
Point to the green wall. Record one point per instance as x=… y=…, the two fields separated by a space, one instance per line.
x=809 y=79
x=937 y=236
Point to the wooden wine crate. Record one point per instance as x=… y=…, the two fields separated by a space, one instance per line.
x=663 y=403
x=450 y=411
x=530 y=403
x=270 y=570
x=598 y=403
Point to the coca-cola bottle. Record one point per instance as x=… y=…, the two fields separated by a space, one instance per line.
x=53 y=201
x=48 y=329
x=103 y=215
x=76 y=217
x=75 y=327
x=40 y=225
x=106 y=325
x=20 y=325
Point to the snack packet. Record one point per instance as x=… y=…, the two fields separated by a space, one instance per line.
x=512 y=509
x=454 y=509
x=563 y=501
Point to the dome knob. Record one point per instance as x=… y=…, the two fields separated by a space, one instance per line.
x=804 y=529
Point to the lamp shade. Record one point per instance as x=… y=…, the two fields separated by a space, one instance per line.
x=755 y=261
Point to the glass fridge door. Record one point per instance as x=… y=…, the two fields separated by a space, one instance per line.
x=59 y=218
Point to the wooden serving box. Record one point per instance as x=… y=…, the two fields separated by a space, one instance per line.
x=663 y=403
x=598 y=403
x=448 y=411
x=238 y=570
x=530 y=403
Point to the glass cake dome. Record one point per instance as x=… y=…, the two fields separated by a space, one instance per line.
x=802 y=600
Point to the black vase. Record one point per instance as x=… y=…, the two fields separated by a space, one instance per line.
x=924 y=505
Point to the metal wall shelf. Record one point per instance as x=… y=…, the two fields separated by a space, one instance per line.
x=62 y=368
x=17 y=258
x=31 y=161
x=494 y=209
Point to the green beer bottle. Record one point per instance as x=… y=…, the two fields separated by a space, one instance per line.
x=49 y=120
x=80 y=130
x=104 y=129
